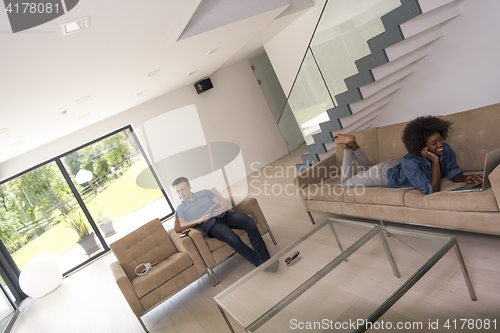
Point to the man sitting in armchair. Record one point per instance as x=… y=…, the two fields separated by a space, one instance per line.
x=195 y=210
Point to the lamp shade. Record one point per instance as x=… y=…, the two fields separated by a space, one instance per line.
x=39 y=277
x=83 y=176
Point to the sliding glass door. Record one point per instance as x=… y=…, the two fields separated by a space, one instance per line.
x=104 y=174
x=72 y=207
x=38 y=208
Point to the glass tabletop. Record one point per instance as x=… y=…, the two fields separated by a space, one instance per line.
x=346 y=271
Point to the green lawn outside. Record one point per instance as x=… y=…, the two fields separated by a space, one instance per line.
x=123 y=196
x=51 y=244
x=118 y=200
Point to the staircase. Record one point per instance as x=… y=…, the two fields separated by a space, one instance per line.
x=409 y=29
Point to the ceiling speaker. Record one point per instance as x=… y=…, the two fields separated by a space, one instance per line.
x=203 y=85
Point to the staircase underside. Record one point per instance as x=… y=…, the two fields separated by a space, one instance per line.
x=408 y=30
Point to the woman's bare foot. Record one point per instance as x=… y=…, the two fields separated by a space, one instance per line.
x=348 y=140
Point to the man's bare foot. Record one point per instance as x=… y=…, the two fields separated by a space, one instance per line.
x=348 y=140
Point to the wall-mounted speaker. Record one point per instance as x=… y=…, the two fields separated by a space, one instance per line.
x=203 y=85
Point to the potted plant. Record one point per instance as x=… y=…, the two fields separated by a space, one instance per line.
x=86 y=239
x=105 y=224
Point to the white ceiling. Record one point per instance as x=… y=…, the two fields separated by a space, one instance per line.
x=43 y=73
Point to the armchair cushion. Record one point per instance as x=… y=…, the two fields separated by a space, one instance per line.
x=163 y=271
x=148 y=244
x=215 y=244
x=214 y=251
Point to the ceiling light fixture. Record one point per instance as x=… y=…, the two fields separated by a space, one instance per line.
x=192 y=73
x=75 y=26
x=84 y=116
x=4 y=130
x=18 y=143
x=141 y=93
x=153 y=73
x=81 y=100
x=213 y=51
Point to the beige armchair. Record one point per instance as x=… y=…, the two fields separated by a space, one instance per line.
x=214 y=251
x=178 y=264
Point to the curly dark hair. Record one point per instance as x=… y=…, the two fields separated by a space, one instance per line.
x=418 y=130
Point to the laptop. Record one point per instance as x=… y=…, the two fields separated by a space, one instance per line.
x=490 y=163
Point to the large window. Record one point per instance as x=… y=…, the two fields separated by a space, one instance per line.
x=71 y=208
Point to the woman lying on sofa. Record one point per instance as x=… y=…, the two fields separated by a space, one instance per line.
x=429 y=158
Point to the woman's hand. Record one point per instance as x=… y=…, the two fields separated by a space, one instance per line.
x=473 y=178
x=428 y=155
x=436 y=169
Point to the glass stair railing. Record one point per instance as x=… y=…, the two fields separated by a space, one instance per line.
x=349 y=41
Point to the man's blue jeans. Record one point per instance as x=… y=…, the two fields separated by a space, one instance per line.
x=222 y=231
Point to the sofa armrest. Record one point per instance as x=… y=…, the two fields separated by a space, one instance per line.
x=318 y=172
x=199 y=241
x=126 y=288
x=250 y=206
x=186 y=245
x=494 y=178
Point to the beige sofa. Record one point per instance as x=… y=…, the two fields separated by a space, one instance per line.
x=473 y=134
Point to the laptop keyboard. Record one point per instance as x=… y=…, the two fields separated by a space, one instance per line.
x=477 y=186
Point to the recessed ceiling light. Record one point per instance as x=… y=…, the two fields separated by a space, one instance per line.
x=75 y=26
x=213 y=51
x=18 y=143
x=84 y=116
x=81 y=100
x=192 y=73
x=4 y=130
x=153 y=73
x=141 y=93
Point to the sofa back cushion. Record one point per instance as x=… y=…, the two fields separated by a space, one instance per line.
x=473 y=134
x=367 y=140
x=390 y=143
x=147 y=244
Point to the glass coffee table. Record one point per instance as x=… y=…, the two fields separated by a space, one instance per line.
x=346 y=272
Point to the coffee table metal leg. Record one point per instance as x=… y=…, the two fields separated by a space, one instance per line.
x=310 y=216
x=465 y=273
x=225 y=318
x=389 y=253
x=336 y=237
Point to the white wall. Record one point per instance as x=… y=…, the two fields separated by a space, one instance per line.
x=235 y=110
x=461 y=71
x=287 y=49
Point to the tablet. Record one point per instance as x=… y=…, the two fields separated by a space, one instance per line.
x=213 y=209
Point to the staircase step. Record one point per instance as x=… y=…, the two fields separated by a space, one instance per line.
x=428 y=5
x=413 y=43
x=348 y=121
x=430 y=19
x=358 y=106
x=393 y=66
x=378 y=85
x=363 y=123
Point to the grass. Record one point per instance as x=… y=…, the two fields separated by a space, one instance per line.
x=118 y=200
x=51 y=244
x=123 y=196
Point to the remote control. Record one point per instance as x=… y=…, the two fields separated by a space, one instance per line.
x=293 y=256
